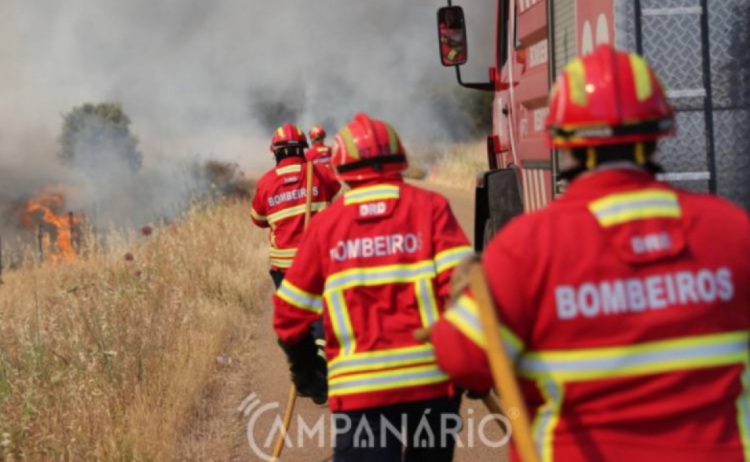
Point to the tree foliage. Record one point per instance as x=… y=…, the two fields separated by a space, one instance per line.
x=98 y=135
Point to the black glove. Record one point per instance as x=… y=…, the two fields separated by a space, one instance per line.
x=477 y=394
x=472 y=394
x=308 y=369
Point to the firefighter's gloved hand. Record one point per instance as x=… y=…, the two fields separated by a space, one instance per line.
x=460 y=278
x=308 y=369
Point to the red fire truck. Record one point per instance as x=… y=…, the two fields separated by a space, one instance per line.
x=699 y=48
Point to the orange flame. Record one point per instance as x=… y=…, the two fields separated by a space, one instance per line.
x=46 y=210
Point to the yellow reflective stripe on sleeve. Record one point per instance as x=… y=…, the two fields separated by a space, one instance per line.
x=546 y=419
x=257 y=215
x=465 y=317
x=296 y=210
x=342 y=325
x=299 y=298
x=283 y=253
x=296 y=168
x=428 y=309
x=282 y=263
x=647 y=358
x=621 y=208
x=385 y=380
x=379 y=360
x=743 y=412
x=513 y=345
x=450 y=258
x=372 y=193
x=641 y=77
x=388 y=274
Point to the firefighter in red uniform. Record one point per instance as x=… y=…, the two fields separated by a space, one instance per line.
x=319 y=152
x=280 y=198
x=626 y=303
x=376 y=265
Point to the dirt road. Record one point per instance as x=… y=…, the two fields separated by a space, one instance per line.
x=259 y=385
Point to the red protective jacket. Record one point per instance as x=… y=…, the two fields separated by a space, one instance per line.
x=376 y=266
x=626 y=305
x=279 y=204
x=319 y=153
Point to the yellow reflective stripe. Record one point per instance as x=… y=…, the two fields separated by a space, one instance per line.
x=281 y=263
x=743 y=412
x=385 y=380
x=575 y=74
x=450 y=258
x=296 y=210
x=428 y=309
x=388 y=274
x=620 y=198
x=546 y=419
x=465 y=317
x=648 y=358
x=392 y=139
x=296 y=168
x=620 y=208
x=342 y=325
x=300 y=298
x=372 y=193
x=351 y=146
x=513 y=344
x=641 y=77
x=283 y=253
x=257 y=215
x=382 y=359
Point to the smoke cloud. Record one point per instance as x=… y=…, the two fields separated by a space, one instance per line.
x=209 y=79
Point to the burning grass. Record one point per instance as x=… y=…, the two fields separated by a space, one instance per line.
x=58 y=233
x=104 y=357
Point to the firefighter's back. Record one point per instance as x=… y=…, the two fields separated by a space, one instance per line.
x=640 y=299
x=388 y=247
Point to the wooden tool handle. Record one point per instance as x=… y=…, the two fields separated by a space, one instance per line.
x=308 y=196
x=288 y=411
x=503 y=373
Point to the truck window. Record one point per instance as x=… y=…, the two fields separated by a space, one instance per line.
x=502 y=32
x=480 y=17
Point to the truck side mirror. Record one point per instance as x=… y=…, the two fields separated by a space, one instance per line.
x=452 y=36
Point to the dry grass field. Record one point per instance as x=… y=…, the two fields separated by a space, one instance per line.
x=109 y=356
x=119 y=353
x=457 y=165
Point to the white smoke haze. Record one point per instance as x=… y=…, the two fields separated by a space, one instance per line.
x=197 y=77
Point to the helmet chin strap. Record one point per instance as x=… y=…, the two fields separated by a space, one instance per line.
x=286 y=152
x=590 y=158
x=640 y=154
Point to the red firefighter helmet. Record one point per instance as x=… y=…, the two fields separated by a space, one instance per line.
x=287 y=136
x=608 y=97
x=317 y=133
x=367 y=148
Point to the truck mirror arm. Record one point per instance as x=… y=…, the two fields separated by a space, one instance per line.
x=485 y=86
